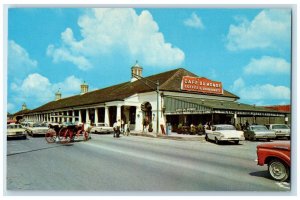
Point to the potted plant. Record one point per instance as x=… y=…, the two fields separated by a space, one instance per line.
x=150 y=129
x=179 y=128
x=200 y=129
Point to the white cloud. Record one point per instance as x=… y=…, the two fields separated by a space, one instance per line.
x=10 y=107
x=269 y=29
x=106 y=30
x=194 y=21
x=69 y=86
x=267 y=65
x=238 y=84
x=63 y=54
x=33 y=86
x=264 y=92
x=19 y=61
x=38 y=88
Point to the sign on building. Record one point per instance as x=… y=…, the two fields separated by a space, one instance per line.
x=204 y=85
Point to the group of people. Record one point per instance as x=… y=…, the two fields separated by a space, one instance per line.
x=120 y=127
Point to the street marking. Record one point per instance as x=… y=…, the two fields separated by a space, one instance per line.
x=284 y=185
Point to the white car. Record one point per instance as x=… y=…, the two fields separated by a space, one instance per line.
x=281 y=130
x=16 y=131
x=224 y=132
x=37 y=129
x=102 y=128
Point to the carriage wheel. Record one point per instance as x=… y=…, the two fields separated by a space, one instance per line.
x=64 y=136
x=50 y=135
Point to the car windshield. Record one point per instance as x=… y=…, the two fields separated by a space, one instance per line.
x=258 y=128
x=36 y=125
x=280 y=126
x=44 y=125
x=14 y=126
x=227 y=127
x=101 y=125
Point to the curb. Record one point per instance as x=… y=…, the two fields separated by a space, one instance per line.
x=196 y=138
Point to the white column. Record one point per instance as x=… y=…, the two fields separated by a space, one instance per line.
x=80 y=119
x=96 y=116
x=118 y=112
x=73 y=116
x=106 y=115
x=138 y=119
x=68 y=119
x=87 y=117
x=63 y=118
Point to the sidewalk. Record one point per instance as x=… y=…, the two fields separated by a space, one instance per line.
x=172 y=135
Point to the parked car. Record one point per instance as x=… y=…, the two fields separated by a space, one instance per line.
x=101 y=128
x=281 y=130
x=224 y=132
x=37 y=129
x=255 y=132
x=16 y=131
x=277 y=155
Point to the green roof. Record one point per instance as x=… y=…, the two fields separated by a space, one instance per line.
x=172 y=103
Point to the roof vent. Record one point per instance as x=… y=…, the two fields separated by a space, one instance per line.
x=84 y=88
x=24 y=107
x=202 y=101
x=222 y=102
x=136 y=72
x=239 y=103
x=57 y=95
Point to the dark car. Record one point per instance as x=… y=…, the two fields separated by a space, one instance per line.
x=277 y=155
x=255 y=132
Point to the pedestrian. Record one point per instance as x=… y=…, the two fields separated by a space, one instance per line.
x=128 y=128
x=122 y=127
x=118 y=128
x=115 y=126
x=145 y=123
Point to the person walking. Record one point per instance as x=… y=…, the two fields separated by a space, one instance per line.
x=118 y=128
x=122 y=126
x=115 y=127
x=127 y=129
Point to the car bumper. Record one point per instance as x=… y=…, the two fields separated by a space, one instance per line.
x=16 y=136
x=232 y=139
x=265 y=136
x=283 y=134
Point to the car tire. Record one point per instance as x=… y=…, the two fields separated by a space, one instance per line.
x=95 y=132
x=236 y=142
x=278 y=170
x=217 y=141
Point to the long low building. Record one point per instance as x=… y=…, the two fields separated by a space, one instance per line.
x=172 y=97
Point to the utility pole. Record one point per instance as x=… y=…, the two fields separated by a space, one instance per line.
x=157 y=96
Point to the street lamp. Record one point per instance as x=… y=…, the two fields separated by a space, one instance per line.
x=157 y=96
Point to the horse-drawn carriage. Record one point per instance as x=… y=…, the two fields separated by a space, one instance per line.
x=66 y=133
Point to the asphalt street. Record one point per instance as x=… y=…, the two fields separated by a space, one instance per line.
x=136 y=164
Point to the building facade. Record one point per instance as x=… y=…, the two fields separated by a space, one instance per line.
x=173 y=97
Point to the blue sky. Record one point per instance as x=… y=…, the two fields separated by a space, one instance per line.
x=248 y=50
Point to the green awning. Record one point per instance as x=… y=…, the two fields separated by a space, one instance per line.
x=186 y=105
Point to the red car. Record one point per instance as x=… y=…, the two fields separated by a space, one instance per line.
x=277 y=155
